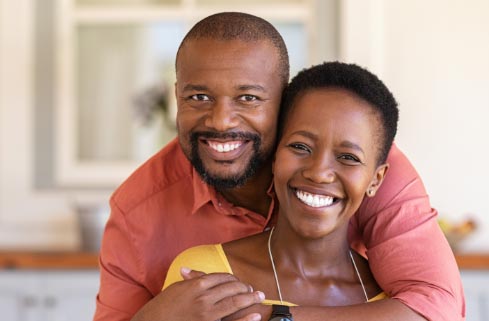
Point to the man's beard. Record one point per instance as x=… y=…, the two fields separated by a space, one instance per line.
x=220 y=183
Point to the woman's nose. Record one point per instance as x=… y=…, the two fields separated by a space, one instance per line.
x=320 y=170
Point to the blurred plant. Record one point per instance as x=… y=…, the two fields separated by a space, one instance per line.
x=456 y=232
x=149 y=103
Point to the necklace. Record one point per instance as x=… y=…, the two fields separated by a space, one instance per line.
x=276 y=277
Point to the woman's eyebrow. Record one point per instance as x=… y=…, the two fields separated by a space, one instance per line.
x=305 y=133
x=349 y=144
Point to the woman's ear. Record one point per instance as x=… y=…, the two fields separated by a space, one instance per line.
x=377 y=180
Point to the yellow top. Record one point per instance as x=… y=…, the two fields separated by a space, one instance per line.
x=211 y=259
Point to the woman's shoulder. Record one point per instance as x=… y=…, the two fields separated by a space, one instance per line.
x=205 y=258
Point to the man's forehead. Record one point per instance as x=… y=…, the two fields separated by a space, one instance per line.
x=209 y=46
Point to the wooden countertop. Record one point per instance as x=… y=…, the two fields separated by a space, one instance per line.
x=48 y=260
x=472 y=261
x=86 y=260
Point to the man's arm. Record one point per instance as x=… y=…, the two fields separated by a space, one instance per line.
x=382 y=310
x=202 y=297
x=407 y=252
x=120 y=295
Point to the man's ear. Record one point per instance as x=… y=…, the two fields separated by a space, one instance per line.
x=377 y=180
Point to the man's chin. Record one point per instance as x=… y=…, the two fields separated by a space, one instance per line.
x=221 y=182
x=223 y=175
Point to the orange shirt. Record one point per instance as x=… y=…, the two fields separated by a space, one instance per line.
x=164 y=208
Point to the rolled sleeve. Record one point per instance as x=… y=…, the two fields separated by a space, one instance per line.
x=407 y=252
x=418 y=268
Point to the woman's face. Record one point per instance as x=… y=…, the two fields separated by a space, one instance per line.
x=326 y=160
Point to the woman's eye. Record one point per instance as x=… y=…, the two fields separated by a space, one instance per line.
x=248 y=98
x=350 y=158
x=200 y=97
x=300 y=147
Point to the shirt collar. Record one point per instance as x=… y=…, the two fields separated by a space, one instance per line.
x=204 y=194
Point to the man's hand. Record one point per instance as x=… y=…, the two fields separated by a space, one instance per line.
x=201 y=297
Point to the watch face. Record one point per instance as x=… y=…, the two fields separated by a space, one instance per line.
x=280 y=313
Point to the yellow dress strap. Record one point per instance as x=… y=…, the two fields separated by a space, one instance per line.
x=380 y=296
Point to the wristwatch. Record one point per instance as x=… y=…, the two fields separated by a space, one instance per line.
x=280 y=313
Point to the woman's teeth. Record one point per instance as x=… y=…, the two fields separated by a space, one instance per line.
x=314 y=200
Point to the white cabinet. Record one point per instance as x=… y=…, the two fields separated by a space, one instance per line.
x=48 y=295
x=476 y=288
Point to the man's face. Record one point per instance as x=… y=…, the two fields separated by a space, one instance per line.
x=228 y=96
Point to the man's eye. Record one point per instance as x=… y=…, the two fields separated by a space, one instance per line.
x=200 y=97
x=300 y=147
x=248 y=98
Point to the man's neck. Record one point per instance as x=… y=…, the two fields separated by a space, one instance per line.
x=253 y=195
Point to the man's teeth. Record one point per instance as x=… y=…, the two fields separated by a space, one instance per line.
x=314 y=200
x=223 y=148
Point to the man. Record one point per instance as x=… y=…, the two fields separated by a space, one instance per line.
x=213 y=185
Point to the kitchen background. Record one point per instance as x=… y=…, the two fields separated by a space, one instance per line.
x=86 y=96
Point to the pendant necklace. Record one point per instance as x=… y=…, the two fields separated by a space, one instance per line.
x=276 y=277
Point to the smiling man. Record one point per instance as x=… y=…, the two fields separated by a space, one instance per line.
x=227 y=123
x=214 y=184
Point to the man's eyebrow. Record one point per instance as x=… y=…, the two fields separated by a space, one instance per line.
x=191 y=87
x=251 y=87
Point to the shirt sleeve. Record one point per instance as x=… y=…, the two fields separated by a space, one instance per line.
x=120 y=295
x=408 y=254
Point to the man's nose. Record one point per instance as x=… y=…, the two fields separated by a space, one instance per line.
x=222 y=116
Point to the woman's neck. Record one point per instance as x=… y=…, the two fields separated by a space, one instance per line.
x=325 y=257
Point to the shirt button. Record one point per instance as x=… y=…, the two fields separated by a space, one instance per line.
x=219 y=203
x=267 y=229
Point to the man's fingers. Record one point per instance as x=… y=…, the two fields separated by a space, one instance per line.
x=208 y=281
x=233 y=304
x=250 y=317
x=188 y=274
x=229 y=289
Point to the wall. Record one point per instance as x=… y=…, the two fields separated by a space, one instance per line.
x=434 y=55
x=29 y=218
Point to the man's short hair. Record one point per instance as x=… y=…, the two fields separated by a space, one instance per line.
x=240 y=26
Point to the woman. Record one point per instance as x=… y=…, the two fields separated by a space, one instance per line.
x=338 y=122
